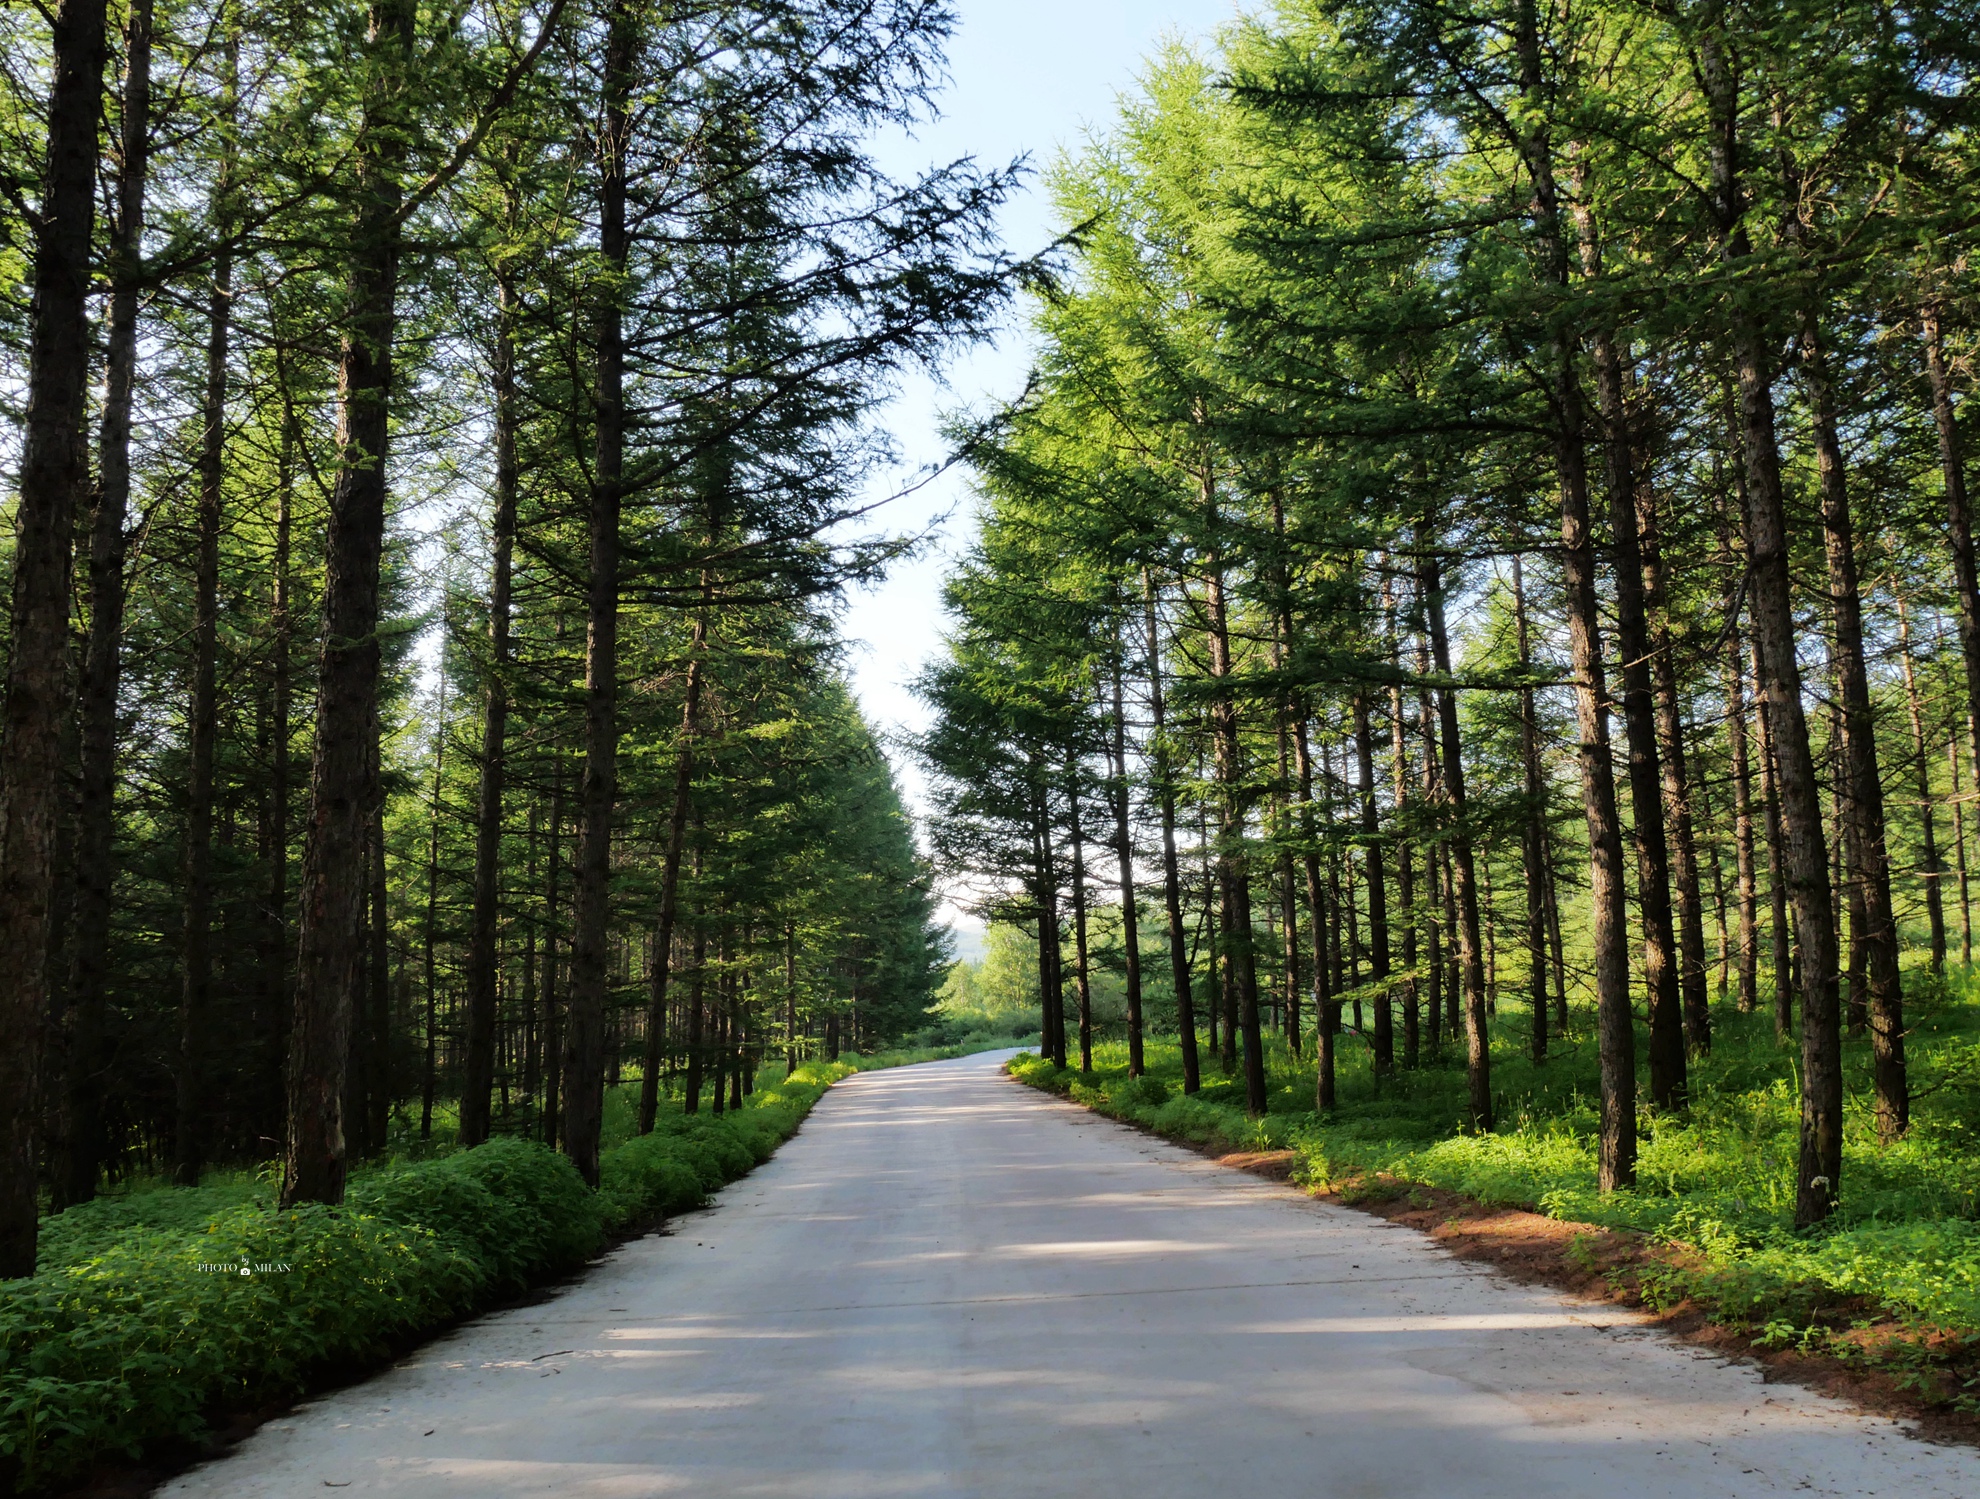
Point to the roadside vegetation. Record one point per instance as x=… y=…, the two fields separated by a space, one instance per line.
x=140 y=1326
x=1891 y=1279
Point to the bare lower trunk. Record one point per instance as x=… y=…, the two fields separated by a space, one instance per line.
x=1464 y=891
x=1233 y=874
x=1653 y=884
x=670 y=868
x=1082 y=978
x=1678 y=818
x=1378 y=914
x=1616 y=1036
x=1179 y=970
x=90 y=1021
x=1959 y=518
x=1533 y=830
x=1859 y=783
x=585 y=1082
x=478 y=1075
x=51 y=477
x=203 y=711
x=1124 y=859
x=331 y=897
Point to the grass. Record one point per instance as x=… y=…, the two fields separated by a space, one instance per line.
x=138 y=1327
x=1894 y=1277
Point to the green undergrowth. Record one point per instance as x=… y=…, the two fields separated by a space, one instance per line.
x=139 y=1325
x=1893 y=1278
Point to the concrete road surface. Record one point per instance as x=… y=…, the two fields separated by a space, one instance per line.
x=948 y=1284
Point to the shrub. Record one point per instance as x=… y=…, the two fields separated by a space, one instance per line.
x=139 y=1322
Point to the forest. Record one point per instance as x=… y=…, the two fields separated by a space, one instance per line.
x=442 y=437
x=1462 y=673
x=1470 y=663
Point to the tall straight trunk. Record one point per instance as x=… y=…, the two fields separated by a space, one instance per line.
x=203 y=711
x=1436 y=903
x=585 y=1086
x=1124 y=858
x=1533 y=827
x=1805 y=858
x=273 y=1032
x=1615 y=1029
x=553 y=1014
x=1959 y=517
x=1233 y=873
x=1082 y=977
x=697 y=1042
x=1405 y=859
x=430 y=1074
x=532 y=1029
x=378 y=1030
x=1646 y=790
x=1959 y=850
x=96 y=870
x=1290 y=713
x=1860 y=783
x=1165 y=792
x=1778 y=930
x=1931 y=867
x=790 y=999
x=1742 y=790
x=51 y=477
x=1678 y=819
x=331 y=897
x=1051 y=993
x=1554 y=942
x=1462 y=875
x=1325 y=1023
x=478 y=1075
x=670 y=868
x=1378 y=914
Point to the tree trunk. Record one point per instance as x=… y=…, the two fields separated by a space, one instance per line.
x=1959 y=517
x=1742 y=789
x=1931 y=870
x=203 y=711
x=1678 y=820
x=553 y=1015
x=1859 y=783
x=1464 y=889
x=1959 y=850
x=1653 y=882
x=585 y=1098
x=670 y=869
x=378 y=1058
x=1124 y=859
x=478 y=1075
x=1378 y=913
x=1165 y=789
x=51 y=477
x=429 y=1082
x=331 y=897
x=1616 y=1036
x=96 y=870
x=1233 y=874
x=1533 y=828
x=1081 y=976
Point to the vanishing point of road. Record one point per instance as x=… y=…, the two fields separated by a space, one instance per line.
x=948 y=1284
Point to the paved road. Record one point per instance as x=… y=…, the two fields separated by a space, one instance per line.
x=951 y=1285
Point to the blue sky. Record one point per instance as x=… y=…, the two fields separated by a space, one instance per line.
x=1029 y=77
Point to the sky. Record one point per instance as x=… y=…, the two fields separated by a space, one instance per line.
x=1030 y=77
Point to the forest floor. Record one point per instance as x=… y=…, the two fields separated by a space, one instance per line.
x=1882 y=1304
x=946 y=1285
